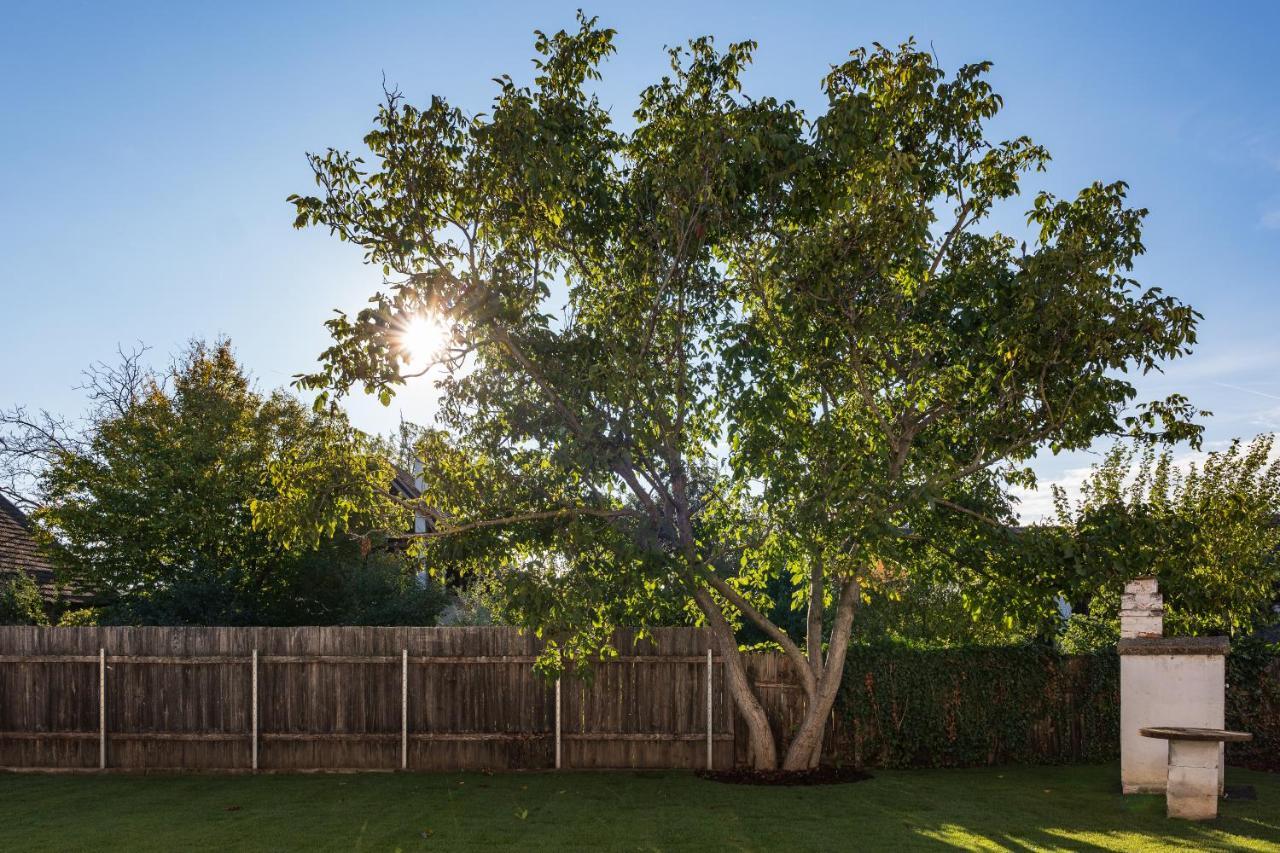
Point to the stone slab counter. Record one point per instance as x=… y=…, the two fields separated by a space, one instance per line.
x=1195 y=768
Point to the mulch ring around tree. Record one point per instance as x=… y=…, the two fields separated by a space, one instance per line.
x=817 y=776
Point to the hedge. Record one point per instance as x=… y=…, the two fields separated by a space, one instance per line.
x=905 y=707
x=1253 y=704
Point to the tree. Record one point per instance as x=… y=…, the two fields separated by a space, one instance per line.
x=151 y=504
x=1211 y=533
x=786 y=344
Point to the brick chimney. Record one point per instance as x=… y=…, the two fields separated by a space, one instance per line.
x=1141 y=609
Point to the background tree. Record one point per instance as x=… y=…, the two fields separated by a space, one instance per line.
x=151 y=502
x=766 y=329
x=1210 y=532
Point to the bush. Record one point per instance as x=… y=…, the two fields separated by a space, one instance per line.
x=1253 y=703
x=20 y=601
x=386 y=591
x=84 y=617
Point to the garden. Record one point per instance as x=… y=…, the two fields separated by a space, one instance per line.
x=735 y=519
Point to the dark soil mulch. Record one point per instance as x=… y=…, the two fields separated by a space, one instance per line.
x=817 y=776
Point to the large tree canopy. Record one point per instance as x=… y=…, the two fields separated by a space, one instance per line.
x=734 y=340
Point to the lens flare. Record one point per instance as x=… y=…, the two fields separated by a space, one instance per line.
x=423 y=338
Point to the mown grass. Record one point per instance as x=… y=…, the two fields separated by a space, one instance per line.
x=1012 y=808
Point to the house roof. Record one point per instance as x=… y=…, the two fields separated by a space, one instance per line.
x=19 y=552
x=404 y=485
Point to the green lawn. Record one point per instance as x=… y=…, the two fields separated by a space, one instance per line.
x=1010 y=808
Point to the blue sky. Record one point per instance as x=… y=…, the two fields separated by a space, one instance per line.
x=146 y=151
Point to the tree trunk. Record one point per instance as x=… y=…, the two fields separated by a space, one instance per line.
x=762 y=749
x=805 y=750
x=817 y=603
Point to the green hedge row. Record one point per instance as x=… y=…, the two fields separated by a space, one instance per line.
x=903 y=707
x=1253 y=705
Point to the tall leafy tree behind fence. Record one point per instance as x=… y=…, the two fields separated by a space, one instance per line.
x=788 y=344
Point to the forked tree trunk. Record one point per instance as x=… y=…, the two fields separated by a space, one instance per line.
x=805 y=750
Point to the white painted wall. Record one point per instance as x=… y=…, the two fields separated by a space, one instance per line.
x=1164 y=690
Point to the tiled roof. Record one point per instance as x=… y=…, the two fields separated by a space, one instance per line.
x=18 y=550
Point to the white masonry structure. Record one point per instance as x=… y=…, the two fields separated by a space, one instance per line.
x=1164 y=682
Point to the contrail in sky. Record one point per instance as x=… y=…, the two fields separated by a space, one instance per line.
x=1248 y=391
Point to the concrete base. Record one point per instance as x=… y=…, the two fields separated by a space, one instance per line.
x=1194 y=772
x=1144 y=789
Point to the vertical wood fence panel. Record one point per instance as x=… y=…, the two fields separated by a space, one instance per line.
x=648 y=707
x=781 y=692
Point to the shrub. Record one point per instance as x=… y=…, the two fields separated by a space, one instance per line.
x=1253 y=703
x=911 y=707
x=20 y=601
x=83 y=617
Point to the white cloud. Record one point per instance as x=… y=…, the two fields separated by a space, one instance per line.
x=1035 y=505
x=1268 y=419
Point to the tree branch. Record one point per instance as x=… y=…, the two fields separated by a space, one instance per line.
x=541 y=515
x=762 y=622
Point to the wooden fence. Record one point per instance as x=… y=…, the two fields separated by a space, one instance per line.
x=352 y=699
x=346 y=698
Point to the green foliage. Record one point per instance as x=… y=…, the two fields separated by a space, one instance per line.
x=734 y=343
x=474 y=605
x=928 y=604
x=81 y=617
x=1253 y=702
x=162 y=509
x=1211 y=534
x=1087 y=631
x=904 y=707
x=882 y=373
x=381 y=589
x=921 y=609
x=20 y=601
x=919 y=707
